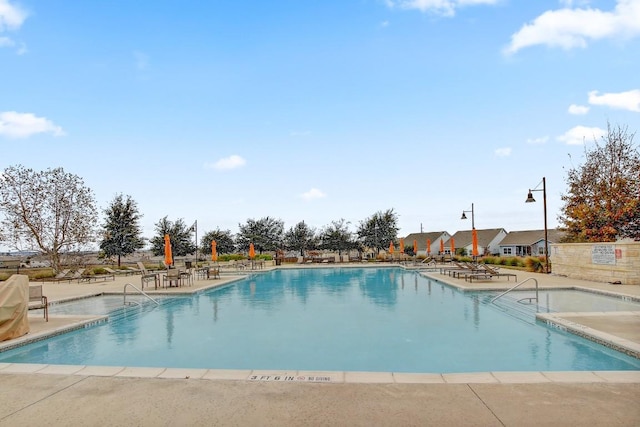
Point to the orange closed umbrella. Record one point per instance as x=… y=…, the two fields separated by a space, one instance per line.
x=428 y=247
x=415 y=247
x=401 y=246
x=441 y=246
x=474 y=240
x=252 y=251
x=214 y=251
x=168 y=256
x=391 y=248
x=453 y=247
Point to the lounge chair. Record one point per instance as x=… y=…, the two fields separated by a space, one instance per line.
x=118 y=272
x=488 y=273
x=96 y=277
x=59 y=277
x=77 y=275
x=132 y=269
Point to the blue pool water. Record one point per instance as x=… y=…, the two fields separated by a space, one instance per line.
x=326 y=319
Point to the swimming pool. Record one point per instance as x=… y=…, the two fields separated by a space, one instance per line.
x=335 y=319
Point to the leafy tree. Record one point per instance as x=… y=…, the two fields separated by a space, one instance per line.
x=603 y=199
x=122 y=233
x=266 y=234
x=337 y=237
x=301 y=237
x=224 y=242
x=180 y=235
x=377 y=231
x=51 y=211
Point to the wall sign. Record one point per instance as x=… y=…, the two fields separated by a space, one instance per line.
x=603 y=254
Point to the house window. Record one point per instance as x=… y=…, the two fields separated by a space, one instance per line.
x=506 y=251
x=541 y=250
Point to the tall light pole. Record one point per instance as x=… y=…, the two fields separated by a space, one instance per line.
x=473 y=224
x=530 y=199
x=473 y=231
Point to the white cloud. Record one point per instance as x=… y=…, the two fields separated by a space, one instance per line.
x=228 y=163
x=629 y=100
x=569 y=28
x=312 y=194
x=11 y=16
x=540 y=140
x=581 y=134
x=23 y=125
x=503 y=152
x=578 y=110
x=11 y=19
x=440 y=7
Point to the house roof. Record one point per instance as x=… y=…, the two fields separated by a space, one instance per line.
x=421 y=238
x=485 y=237
x=530 y=237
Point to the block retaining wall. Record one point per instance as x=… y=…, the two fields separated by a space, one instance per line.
x=576 y=260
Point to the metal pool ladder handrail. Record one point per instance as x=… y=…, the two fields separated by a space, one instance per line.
x=139 y=291
x=524 y=281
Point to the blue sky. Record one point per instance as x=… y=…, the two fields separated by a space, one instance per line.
x=220 y=111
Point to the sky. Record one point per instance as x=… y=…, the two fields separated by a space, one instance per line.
x=224 y=110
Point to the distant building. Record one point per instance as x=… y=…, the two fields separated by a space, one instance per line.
x=488 y=241
x=421 y=239
x=528 y=242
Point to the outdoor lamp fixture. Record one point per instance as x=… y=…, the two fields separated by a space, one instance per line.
x=473 y=232
x=472 y=219
x=530 y=199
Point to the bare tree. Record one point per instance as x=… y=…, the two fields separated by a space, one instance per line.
x=51 y=211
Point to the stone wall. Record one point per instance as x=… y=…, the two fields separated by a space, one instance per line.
x=598 y=262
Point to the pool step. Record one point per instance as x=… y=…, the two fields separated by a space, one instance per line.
x=511 y=305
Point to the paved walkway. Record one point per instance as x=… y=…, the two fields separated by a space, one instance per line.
x=85 y=395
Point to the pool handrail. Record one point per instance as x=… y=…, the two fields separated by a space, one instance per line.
x=518 y=285
x=139 y=290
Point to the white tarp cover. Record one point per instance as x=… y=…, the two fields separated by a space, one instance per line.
x=14 y=306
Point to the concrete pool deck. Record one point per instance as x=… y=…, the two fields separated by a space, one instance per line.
x=88 y=395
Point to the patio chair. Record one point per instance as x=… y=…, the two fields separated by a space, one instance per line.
x=36 y=295
x=147 y=276
x=172 y=276
x=186 y=275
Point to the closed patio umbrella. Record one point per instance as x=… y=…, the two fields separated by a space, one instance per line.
x=168 y=257
x=401 y=246
x=391 y=248
x=252 y=251
x=474 y=240
x=428 y=247
x=441 y=246
x=415 y=247
x=453 y=247
x=214 y=251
